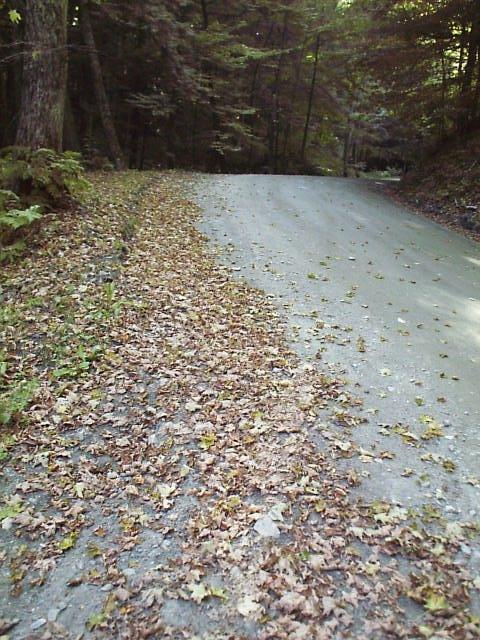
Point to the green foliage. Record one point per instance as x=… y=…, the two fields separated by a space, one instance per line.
x=14 y=16
x=6 y=443
x=12 y=252
x=17 y=218
x=77 y=362
x=41 y=177
x=8 y=200
x=30 y=181
x=13 y=220
x=129 y=227
x=3 y=364
x=15 y=400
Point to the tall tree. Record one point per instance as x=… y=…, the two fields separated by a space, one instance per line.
x=310 y=98
x=44 y=75
x=99 y=87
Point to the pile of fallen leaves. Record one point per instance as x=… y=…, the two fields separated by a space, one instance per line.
x=172 y=478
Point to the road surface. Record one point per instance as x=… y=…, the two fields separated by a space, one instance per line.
x=385 y=298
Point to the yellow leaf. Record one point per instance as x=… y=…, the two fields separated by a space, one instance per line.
x=68 y=542
x=218 y=592
x=207 y=441
x=14 y=16
x=435 y=602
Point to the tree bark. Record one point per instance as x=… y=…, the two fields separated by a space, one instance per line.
x=347 y=140
x=204 y=14
x=70 y=132
x=216 y=160
x=476 y=95
x=473 y=47
x=292 y=106
x=310 y=99
x=253 y=87
x=44 y=75
x=99 y=88
x=275 y=113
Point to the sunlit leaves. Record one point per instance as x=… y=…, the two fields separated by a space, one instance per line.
x=14 y=16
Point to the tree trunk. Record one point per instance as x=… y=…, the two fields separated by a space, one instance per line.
x=443 y=121
x=215 y=162
x=310 y=100
x=44 y=75
x=347 y=140
x=476 y=96
x=204 y=14
x=253 y=88
x=99 y=88
x=70 y=132
x=275 y=114
x=3 y=106
x=292 y=106
x=473 y=48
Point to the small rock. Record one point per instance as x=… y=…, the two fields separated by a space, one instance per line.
x=38 y=623
x=122 y=594
x=52 y=614
x=266 y=528
x=276 y=512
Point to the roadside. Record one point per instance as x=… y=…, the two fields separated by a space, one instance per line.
x=172 y=478
x=449 y=215
x=446 y=187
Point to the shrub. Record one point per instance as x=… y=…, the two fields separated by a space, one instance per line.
x=29 y=182
x=42 y=176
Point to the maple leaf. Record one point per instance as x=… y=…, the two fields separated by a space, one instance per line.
x=95 y=620
x=248 y=607
x=435 y=603
x=14 y=16
x=166 y=490
x=207 y=441
x=198 y=591
x=218 y=592
x=151 y=596
x=328 y=605
x=68 y=542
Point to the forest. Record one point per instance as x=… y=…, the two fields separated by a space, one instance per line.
x=239 y=360
x=298 y=86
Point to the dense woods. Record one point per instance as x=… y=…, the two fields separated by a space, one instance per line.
x=236 y=406
x=302 y=85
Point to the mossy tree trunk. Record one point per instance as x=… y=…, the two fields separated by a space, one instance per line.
x=44 y=75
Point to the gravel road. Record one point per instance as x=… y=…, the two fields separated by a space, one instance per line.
x=386 y=297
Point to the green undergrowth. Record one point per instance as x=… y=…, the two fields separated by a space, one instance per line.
x=58 y=303
x=32 y=183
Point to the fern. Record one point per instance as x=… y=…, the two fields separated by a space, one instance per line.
x=41 y=176
x=12 y=252
x=18 y=218
x=8 y=199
